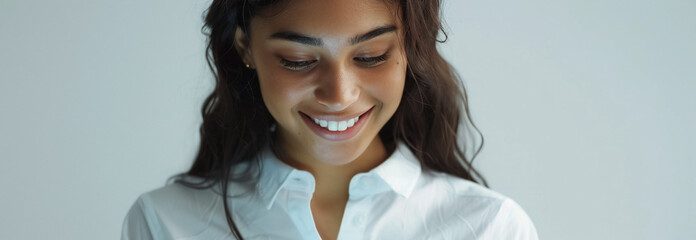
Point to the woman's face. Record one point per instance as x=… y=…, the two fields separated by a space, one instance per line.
x=321 y=65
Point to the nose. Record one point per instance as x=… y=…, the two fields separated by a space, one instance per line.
x=337 y=89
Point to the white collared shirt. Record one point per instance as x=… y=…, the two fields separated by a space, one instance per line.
x=395 y=200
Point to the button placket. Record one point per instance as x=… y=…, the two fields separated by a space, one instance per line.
x=356 y=217
x=359 y=219
x=300 y=212
x=300 y=187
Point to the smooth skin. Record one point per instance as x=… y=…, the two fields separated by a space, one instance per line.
x=331 y=75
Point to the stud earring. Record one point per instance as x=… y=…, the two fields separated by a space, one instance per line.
x=247 y=65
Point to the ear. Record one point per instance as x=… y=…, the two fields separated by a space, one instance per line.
x=241 y=44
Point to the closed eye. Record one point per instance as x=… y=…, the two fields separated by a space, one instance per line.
x=372 y=61
x=296 y=65
x=365 y=61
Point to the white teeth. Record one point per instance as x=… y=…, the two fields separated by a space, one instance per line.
x=333 y=125
x=336 y=125
x=342 y=125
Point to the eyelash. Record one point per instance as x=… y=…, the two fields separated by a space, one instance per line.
x=301 y=65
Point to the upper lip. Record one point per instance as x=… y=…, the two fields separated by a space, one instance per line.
x=336 y=117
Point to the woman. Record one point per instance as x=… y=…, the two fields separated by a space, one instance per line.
x=330 y=119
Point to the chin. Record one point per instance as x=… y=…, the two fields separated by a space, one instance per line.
x=340 y=153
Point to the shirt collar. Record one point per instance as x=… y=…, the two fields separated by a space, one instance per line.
x=400 y=172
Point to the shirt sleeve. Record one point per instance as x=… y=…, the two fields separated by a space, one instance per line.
x=511 y=222
x=136 y=225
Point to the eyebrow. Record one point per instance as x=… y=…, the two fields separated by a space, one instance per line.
x=313 y=41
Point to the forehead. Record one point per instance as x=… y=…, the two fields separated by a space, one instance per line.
x=326 y=18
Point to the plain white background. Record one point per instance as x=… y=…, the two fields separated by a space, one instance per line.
x=586 y=107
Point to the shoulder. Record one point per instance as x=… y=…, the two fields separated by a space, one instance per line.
x=171 y=211
x=172 y=196
x=487 y=214
x=510 y=222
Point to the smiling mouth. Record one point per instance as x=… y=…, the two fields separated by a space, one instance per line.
x=336 y=126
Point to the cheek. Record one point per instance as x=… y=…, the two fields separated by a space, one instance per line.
x=387 y=84
x=281 y=93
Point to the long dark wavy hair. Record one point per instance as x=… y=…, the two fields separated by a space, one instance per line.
x=236 y=121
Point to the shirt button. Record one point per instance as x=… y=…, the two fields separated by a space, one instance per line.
x=359 y=219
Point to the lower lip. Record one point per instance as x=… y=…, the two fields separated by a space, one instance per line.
x=337 y=135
